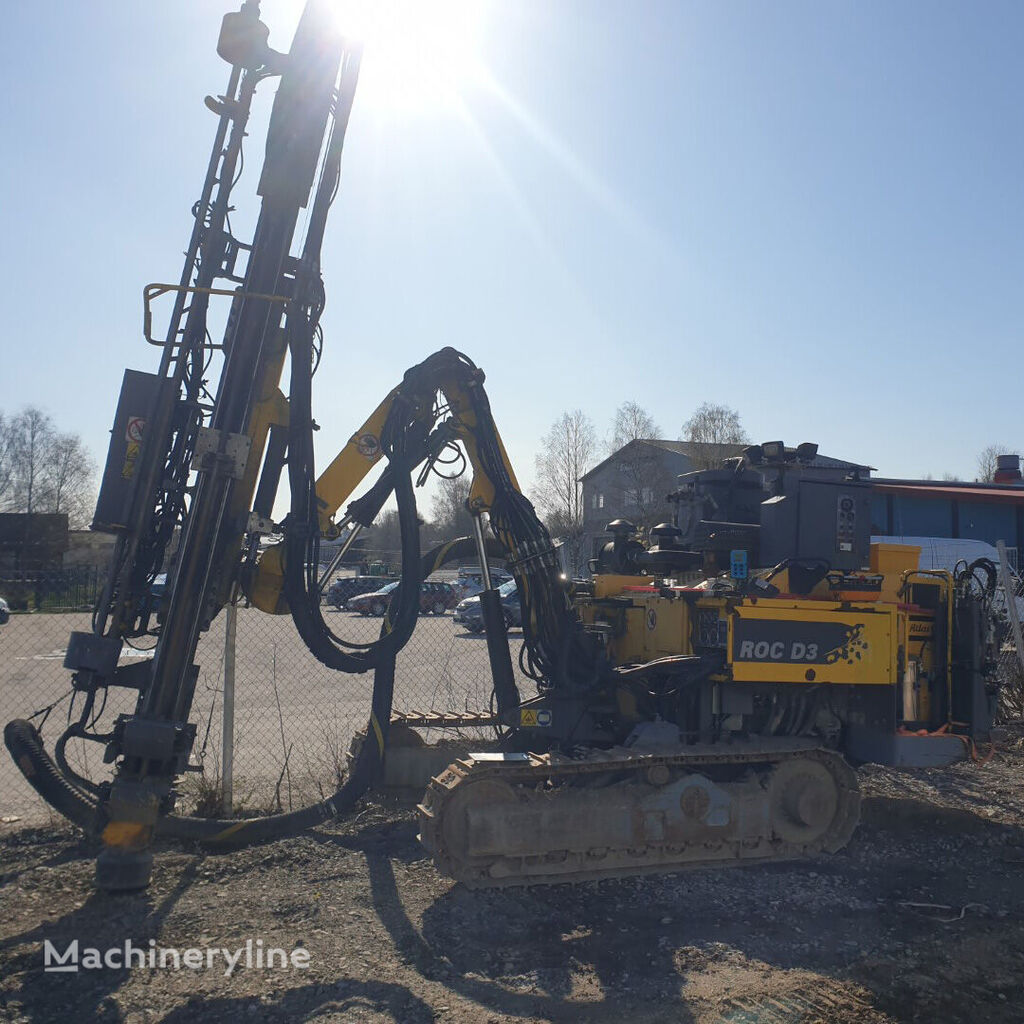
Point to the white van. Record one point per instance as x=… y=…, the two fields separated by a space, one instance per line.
x=947 y=552
x=944 y=552
x=470 y=580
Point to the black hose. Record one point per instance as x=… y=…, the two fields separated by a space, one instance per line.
x=25 y=744
x=62 y=762
x=26 y=747
x=404 y=448
x=556 y=649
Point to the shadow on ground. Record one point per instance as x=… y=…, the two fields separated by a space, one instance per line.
x=860 y=936
x=850 y=918
x=103 y=921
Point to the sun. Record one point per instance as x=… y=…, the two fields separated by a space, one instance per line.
x=417 y=54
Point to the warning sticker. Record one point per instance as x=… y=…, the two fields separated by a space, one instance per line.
x=134 y=429
x=131 y=456
x=368 y=446
x=534 y=717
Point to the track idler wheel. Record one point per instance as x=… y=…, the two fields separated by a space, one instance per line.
x=805 y=799
x=464 y=828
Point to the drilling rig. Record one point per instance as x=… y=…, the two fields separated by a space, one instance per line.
x=185 y=460
x=697 y=698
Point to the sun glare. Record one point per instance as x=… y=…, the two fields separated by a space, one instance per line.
x=416 y=53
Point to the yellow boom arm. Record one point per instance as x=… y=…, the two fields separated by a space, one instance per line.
x=348 y=470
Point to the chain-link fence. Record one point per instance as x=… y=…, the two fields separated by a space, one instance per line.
x=1008 y=606
x=295 y=719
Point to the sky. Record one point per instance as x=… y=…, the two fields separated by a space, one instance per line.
x=810 y=212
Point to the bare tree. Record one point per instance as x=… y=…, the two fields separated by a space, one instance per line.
x=7 y=456
x=987 y=461
x=43 y=470
x=67 y=477
x=566 y=452
x=33 y=436
x=718 y=427
x=385 y=538
x=632 y=423
x=450 y=515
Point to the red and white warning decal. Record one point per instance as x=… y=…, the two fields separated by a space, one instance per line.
x=134 y=429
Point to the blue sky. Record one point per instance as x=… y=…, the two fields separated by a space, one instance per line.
x=808 y=211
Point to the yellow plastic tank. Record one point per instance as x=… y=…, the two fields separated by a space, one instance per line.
x=891 y=561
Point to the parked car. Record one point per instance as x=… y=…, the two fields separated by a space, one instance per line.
x=435 y=598
x=374 y=603
x=467 y=612
x=5 y=611
x=470 y=584
x=351 y=586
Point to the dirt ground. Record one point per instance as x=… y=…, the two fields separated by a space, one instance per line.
x=920 y=918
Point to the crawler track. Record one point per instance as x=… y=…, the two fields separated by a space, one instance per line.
x=526 y=819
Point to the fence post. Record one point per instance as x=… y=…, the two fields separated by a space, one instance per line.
x=228 y=736
x=1012 y=609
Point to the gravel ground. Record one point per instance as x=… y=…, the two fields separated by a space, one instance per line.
x=920 y=918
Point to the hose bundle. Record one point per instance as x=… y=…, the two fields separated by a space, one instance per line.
x=556 y=652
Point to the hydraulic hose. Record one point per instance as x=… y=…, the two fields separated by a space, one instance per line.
x=26 y=746
x=555 y=648
x=403 y=448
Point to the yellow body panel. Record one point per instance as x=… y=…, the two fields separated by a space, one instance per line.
x=656 y=628
x=266 y=590
x=791 y=640
x=813 y=642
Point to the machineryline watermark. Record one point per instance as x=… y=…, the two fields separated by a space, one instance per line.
x=254 y=955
